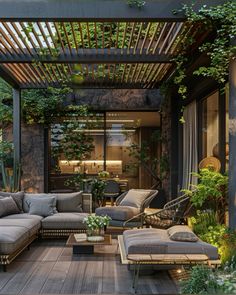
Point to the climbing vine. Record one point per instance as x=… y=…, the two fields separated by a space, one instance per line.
x=221 y=21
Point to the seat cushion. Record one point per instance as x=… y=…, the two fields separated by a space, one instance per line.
x=12 y=237
x=69 y=202
x=157 y=241
x=32 y=225
x=17 y=197
x=8 y=206
x=23 y=216
x=121 y=213
x=65 y=221
x=135 y=198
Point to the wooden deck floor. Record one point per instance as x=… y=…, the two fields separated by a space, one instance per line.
x=49 y=268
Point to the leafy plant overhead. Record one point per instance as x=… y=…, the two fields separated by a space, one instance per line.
x=221 y=21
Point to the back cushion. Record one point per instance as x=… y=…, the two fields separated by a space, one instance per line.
x=69 y=202
x=135 y=198
x=8 y=206
x=28 y=197
x=17 y=197
x=41 y=206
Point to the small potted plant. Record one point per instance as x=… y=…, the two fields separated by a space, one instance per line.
x=96 y=227
x=103 y=174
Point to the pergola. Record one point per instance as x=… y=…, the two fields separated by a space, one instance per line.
x=108 y=43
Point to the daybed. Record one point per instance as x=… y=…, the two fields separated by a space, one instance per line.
x=176 y=245
x=24 y=216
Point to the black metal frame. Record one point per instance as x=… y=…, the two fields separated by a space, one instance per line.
x=98 y=10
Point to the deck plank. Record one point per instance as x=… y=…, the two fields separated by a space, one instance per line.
x=50 y=268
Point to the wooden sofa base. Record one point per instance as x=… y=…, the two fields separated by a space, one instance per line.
x=59 y=233
x=6 y=259
x=160 y=259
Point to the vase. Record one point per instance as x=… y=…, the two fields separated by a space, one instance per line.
x=95 y=235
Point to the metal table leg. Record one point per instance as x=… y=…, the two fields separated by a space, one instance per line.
x=136 y=276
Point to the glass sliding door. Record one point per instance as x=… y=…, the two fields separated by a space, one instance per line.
x=111 y=141
x=210 y=125
x=125 y=133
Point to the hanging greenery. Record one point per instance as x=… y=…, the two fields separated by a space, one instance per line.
x=221 y=21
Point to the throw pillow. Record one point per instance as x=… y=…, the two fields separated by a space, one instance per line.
x=17 y=197
x=69 y=202
x=8 y=206
x=135 y=198
x=41 y=206
x=38 y=196
x=181 y=233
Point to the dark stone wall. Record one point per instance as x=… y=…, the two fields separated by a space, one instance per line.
x=32 y=136
x=32 y=151
x=166 y=146
x=117 y=99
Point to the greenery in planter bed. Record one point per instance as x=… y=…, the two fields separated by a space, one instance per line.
x=210 y=192
x=205 y=280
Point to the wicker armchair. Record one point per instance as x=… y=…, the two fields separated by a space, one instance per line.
x=173 y=213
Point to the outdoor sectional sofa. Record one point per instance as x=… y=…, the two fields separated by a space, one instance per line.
x=24 y=217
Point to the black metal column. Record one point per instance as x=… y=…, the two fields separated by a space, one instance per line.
x=232 y=144
x=17 y=125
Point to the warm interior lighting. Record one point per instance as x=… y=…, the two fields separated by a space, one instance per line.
x=102 y=130
x=76 y=162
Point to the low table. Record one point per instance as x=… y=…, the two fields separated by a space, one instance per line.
x=85 y=247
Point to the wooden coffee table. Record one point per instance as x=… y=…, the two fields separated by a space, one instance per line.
x=85 y=247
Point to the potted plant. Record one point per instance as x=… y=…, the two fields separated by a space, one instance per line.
x=103 y=174
x=97 y=191
x=96 y=227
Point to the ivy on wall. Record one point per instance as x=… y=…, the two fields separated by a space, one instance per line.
x=221 y=21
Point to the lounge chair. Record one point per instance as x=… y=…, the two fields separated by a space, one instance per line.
x=129 y=206
x=173 y=213
x=177 y=245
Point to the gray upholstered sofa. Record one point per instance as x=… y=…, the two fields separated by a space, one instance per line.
x=24 y=216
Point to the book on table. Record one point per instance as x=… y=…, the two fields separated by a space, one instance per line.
x=80 y=237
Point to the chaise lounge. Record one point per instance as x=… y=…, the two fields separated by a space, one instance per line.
x=177 y=245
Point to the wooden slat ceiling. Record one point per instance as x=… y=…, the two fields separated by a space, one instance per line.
x=40 y=54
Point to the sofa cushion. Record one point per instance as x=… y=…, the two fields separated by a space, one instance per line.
x=17 y=197
x=28 y=197
x=8 y=206
x=23 y=216
x=32 y=225
x=121 y=213
x=181 y=233
x=64 y=221
x=135 y=198
x=12 y=237
x=157 y=241
x=69 y=202
x=41 y=206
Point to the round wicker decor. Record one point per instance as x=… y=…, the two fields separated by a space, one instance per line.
x=211 y=163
